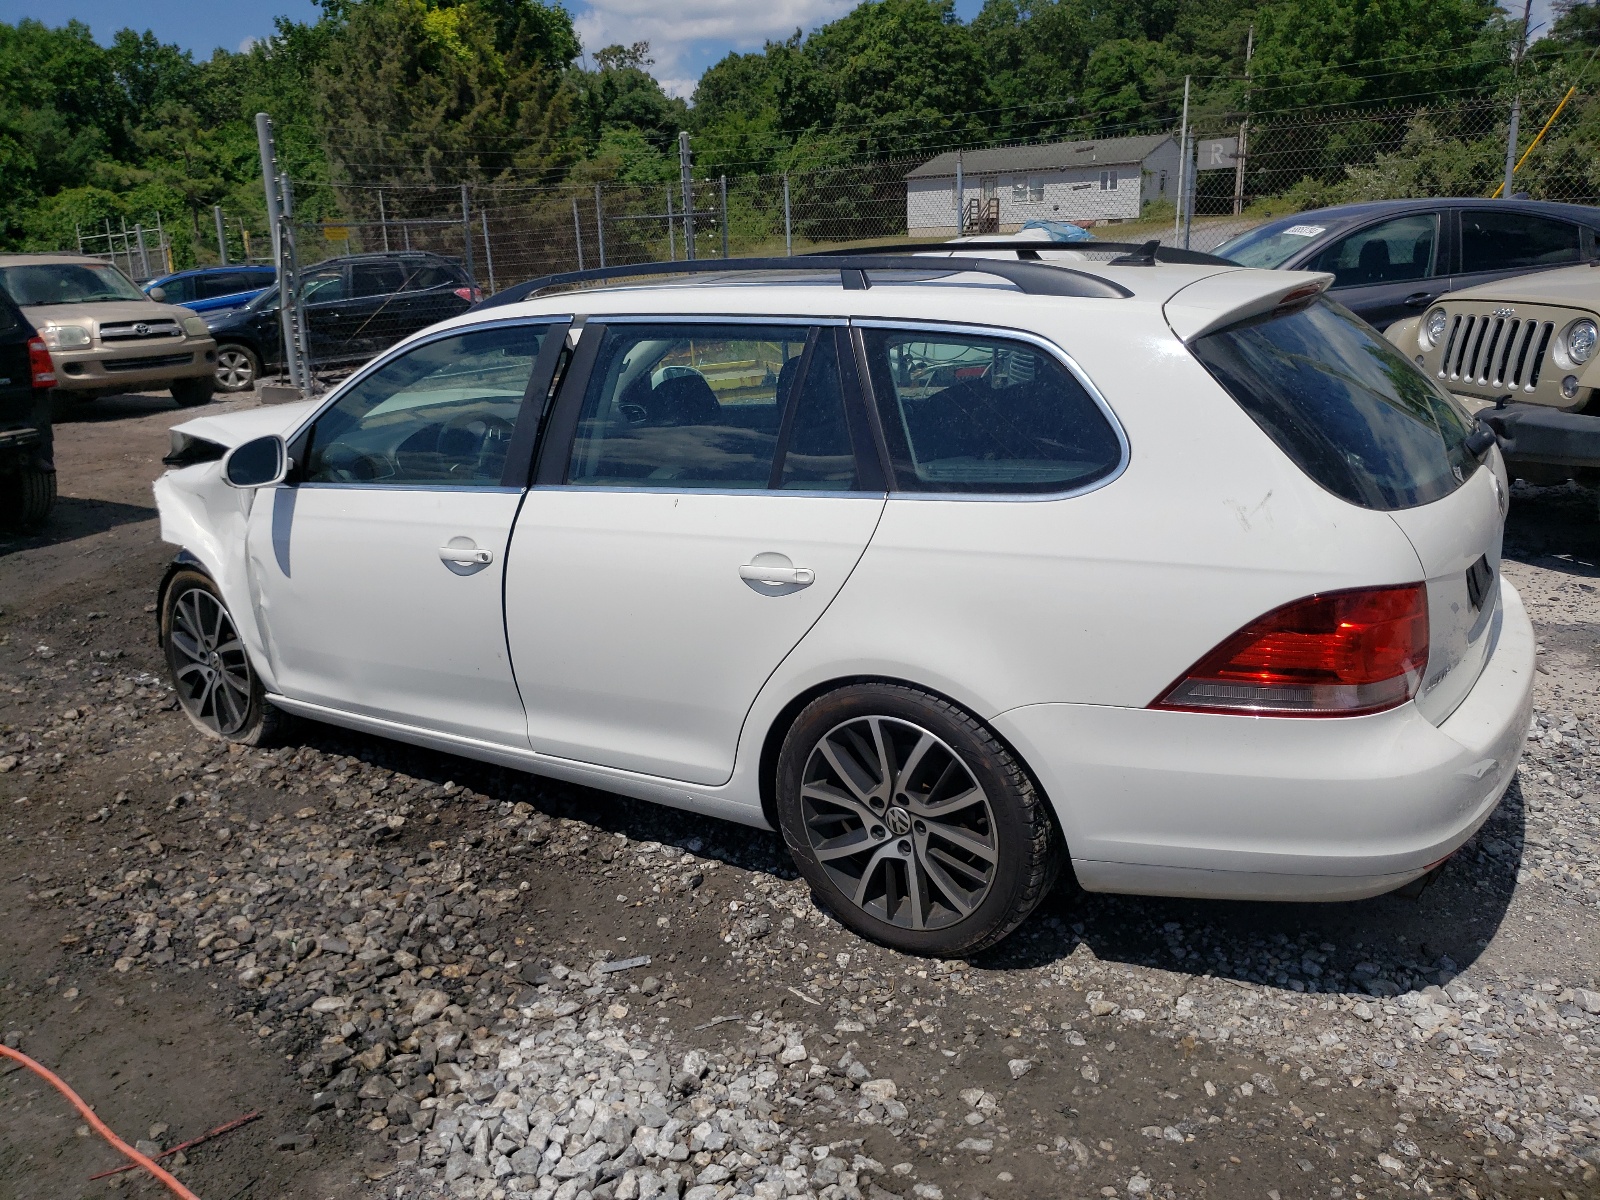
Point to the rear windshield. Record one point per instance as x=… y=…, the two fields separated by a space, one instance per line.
x=1345 y=405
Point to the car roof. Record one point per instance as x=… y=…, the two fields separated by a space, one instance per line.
x=1356 y=213
x=30 y=258
x=384 y=256
x=195 y=272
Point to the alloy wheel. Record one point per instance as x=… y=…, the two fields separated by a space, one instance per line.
x=235 y=370
x=899 y=822
x=209 y=664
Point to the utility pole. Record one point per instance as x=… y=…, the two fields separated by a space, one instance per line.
x=687 y=179
x=466 y=234
x=1244 y=127
x=222 y=235
x=1516 y=104
x=599 y=225
x=1183 y=163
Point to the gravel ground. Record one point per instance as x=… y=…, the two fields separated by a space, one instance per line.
x=449 y=979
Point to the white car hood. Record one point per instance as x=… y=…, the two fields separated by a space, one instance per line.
x=236 y=428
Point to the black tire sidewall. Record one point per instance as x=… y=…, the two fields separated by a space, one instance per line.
x=30 y=496
x=260 y=721
x=192 y=393
x=1013 y=827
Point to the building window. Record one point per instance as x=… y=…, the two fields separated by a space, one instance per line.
x=1108 y=181
x=1027 y=188
x=1035 y=188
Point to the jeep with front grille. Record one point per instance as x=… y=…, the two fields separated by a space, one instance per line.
x=1524 y=354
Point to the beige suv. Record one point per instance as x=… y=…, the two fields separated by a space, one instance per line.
x=1524 y=353
x=104 y=334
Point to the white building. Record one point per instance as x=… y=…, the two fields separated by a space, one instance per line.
x=1001 y=189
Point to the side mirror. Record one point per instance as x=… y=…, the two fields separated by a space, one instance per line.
x=263 y=462
x=157 y=294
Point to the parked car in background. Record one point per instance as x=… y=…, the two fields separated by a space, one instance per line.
x=213 y=289
x=104 y=334
x=1524 y=353
x=355 y=306
x=920 y=565
x=1390 y=259
x=27 y=466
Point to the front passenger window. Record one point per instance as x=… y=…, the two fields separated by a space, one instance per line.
x=440 y=415
x=1391 y=252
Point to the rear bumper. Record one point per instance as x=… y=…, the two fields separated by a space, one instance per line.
x=130 y=367
x=1229 y=807
x=1539 y=436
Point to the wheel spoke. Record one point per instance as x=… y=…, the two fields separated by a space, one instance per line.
x=833 y=796
x=915 y=893
x=187 y=646
x=873 y=863
x=844 y=846
x=950 y=862
x=851 y=776
x=941 y=810
x=955 y=896
x=963 y=840
x=902 y=779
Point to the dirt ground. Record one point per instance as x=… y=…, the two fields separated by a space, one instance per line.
x=1113 y=1005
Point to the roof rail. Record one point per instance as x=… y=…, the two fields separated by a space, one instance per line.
x=1033 y=278
x=1135 y=254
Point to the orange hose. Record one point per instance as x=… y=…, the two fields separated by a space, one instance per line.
x=100 y=1126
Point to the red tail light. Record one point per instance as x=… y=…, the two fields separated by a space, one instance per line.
x=470 y=294
x=1337 y=654
x=43 y=370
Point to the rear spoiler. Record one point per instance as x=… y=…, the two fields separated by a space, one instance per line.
x=1226 y=299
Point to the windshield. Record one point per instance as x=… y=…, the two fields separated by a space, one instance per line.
x=1345 y=405
x=1270 y=246
x=67 y=283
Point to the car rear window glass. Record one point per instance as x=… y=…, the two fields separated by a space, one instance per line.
x=1349 y=409
x=376 y=279
x=968 y=413
x=212 y=286
x=1504 y=241
x=420 y=279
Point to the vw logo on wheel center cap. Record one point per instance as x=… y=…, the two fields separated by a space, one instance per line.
x=899 y=821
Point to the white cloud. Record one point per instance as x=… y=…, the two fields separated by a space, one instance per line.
x=676 y=30
x=248 y=44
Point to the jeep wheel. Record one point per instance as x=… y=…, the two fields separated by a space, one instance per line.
x=238 y=368
x=30 y=494
x=191 y=393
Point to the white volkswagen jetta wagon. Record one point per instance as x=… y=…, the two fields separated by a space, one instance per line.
x=961 y=573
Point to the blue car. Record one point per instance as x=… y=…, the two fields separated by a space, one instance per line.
x=215 y=289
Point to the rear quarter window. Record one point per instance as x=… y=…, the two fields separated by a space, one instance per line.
x=1344 y=404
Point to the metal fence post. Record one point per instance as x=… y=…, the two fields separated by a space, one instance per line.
x=488 y=254
x=672 y=229
x=687 y=180
x=269 y=180
x=1511 y=148
x=599 y=226
x=294 y=316
x=144 y=254
x=1183 y=163
x=577 y=232
x=466 y=233
x=723 y=184
x=222 y=235
x=788 y=232
x=961 y=199
x=383 y=222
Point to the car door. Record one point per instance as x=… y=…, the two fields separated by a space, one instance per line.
x=376 y=573
x=329 y=323
x=1499 y=242
x=1387 y=271
x=704 y=492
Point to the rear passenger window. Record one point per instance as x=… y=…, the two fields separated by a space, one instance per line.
x=1505 y=241
x=978 y=414
x=710 y=406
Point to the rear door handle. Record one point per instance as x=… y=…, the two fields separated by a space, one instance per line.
x=790 y=576
x=464 y=552
x=1418 y=299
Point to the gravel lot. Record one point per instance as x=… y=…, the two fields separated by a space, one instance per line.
x=436 y=978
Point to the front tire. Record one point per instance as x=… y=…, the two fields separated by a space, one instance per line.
x=191 y=393
x=217 y=688
x=911 y=821
x=238 y=368
x=30 y=494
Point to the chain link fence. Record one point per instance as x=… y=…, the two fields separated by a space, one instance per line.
x=449 y=244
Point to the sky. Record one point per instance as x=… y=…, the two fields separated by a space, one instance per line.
x=686 y=36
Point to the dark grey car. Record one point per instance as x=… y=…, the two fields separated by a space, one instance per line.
x=1390 y=259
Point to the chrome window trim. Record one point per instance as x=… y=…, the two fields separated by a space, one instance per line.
x=1050 y=348
x=394 y=352
x=602 y=318
x=879 y=497
x=368 y=486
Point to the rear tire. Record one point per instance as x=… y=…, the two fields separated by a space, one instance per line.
x=30 y=494
x=238 y=368
x=217 y=687
x=912 y=822
x=191 y=393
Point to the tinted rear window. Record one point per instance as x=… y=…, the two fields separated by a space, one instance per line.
x=1345 y=405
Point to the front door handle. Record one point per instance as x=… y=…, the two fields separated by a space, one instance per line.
x=464 y=552
x=777 y=575
x=1418 y=299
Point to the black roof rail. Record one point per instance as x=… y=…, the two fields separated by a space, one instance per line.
x=1135 y=254
x=855 y=270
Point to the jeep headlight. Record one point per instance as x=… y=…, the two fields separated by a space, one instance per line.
x=1581 y=337
x=1433 y=327
x=195 y=326
x=65 y=337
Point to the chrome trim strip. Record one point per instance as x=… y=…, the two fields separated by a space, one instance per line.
x=366 y=486
x=609 y=489
x=1048 y=347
